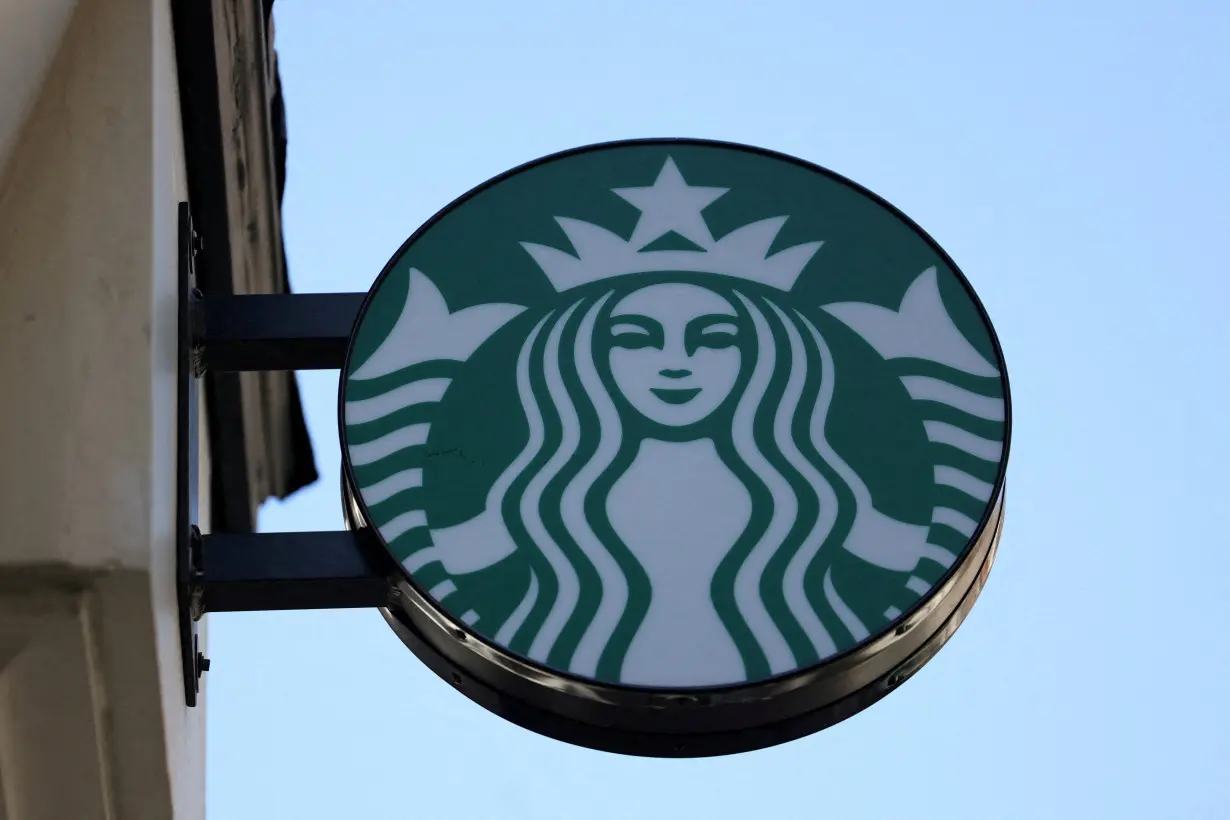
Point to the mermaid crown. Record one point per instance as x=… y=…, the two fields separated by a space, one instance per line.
x=671 y=205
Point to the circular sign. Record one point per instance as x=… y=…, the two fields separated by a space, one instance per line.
x=682 y=447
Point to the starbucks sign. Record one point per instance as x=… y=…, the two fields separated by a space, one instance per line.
x=682 y=447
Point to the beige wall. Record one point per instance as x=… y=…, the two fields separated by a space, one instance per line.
x=30 y=34
x=92 y=717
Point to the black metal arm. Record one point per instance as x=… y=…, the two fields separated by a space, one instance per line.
x=243 y=572
x=301 y=331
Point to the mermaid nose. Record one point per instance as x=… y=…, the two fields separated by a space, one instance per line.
x=675 y=374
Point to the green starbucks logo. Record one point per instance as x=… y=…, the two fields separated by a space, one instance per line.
x=674 y=415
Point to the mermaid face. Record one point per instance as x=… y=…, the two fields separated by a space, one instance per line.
x=675 y=351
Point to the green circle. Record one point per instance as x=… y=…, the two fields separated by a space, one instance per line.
x=674 y=414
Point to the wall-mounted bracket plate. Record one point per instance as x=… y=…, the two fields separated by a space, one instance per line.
x=237 y=572
x=187 y=536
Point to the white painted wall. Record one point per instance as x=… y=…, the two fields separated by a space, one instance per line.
x=30 y=34
x=92 y=716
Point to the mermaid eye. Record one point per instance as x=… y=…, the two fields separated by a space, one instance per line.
x=720 y=329
x=715 y=332
x=620 y=328
x=635 y=332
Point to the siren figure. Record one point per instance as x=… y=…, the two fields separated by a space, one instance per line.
x=682 y=517
x=688 y=531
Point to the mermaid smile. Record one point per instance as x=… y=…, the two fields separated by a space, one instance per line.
x=675 y=395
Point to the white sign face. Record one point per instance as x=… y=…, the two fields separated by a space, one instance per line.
x=674 y=415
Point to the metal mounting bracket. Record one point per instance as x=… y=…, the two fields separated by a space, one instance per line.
x=187 y=536
x=238 y=572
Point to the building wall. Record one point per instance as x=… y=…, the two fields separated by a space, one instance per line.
x=92 y=715
x=30 y=35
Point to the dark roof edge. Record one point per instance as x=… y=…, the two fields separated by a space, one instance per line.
x=259 y=446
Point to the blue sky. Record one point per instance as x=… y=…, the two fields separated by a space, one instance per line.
x=1071 y=157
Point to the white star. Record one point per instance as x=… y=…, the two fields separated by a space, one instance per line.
x=670 y=204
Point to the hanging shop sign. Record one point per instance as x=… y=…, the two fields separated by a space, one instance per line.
x=675 y=447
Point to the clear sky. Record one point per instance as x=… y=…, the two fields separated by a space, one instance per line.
x=1072 y=157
